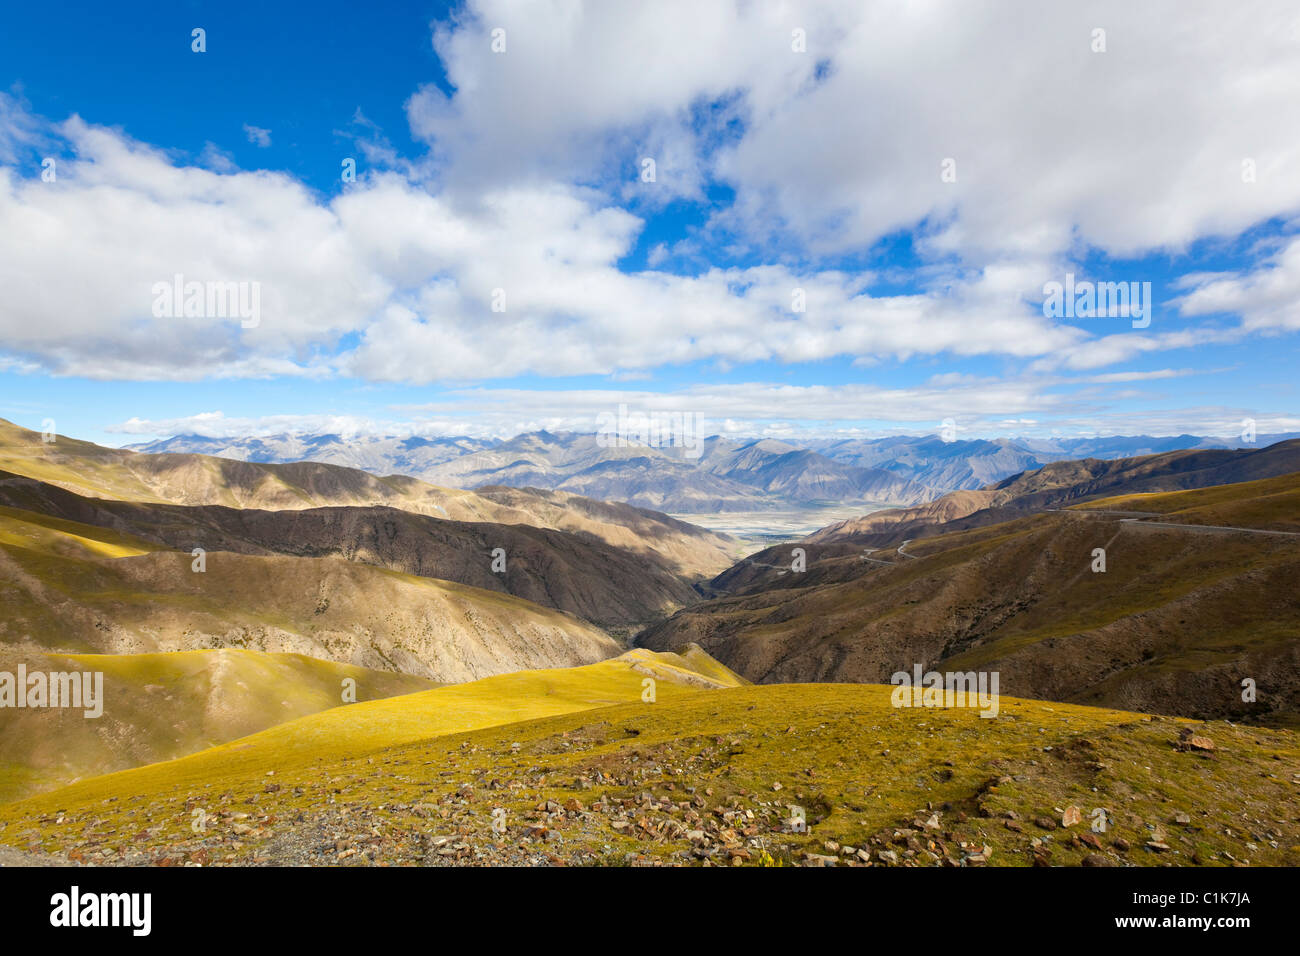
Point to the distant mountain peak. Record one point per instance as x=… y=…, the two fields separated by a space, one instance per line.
x=730 y=474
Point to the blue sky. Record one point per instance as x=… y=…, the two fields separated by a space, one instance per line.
x=799 y=150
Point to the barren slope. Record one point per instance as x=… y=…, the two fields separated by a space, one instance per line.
x=576 y=573
x=1066 y=483
x=81 y=588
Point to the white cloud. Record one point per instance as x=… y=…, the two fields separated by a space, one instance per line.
x=80 y=256
x=1056 y=146
x=748 y=408
x=536 y=149
x=258 y=136
x=20 y=131
x=218 y=160
x=414 y=275
x=1267 y=297
x=218 y=425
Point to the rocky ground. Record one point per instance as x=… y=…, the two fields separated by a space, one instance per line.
x=606 y=792
x=11 y=857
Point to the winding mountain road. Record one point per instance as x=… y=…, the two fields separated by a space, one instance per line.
x=1138 y=519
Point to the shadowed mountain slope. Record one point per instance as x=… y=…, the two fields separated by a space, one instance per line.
x=192 y=479
x=578 y=574
x=1063 y=483
x=82 y=588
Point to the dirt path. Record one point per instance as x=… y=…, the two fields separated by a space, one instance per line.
x=1205 y=528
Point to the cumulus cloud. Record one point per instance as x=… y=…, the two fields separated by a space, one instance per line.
x=1054 y=144
x=414 y=276
x=501 y=255
x=80 y=257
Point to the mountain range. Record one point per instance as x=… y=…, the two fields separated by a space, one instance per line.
x=728 y=474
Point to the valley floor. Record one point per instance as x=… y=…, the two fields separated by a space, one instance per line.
x=761 y=529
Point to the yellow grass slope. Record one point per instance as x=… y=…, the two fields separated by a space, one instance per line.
x=364 y=726
x=1271 y=504
x=161 y=706
x=55 y=536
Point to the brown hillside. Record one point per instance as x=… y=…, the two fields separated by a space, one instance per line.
x=1177 y=621
x=578 y=574
x=93 y=471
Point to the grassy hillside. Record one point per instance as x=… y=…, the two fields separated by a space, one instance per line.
x=364 y=726
x=1268 y=504
x=160 y=706
x=45 y=534
x=701 y=776
x=1177 y=621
